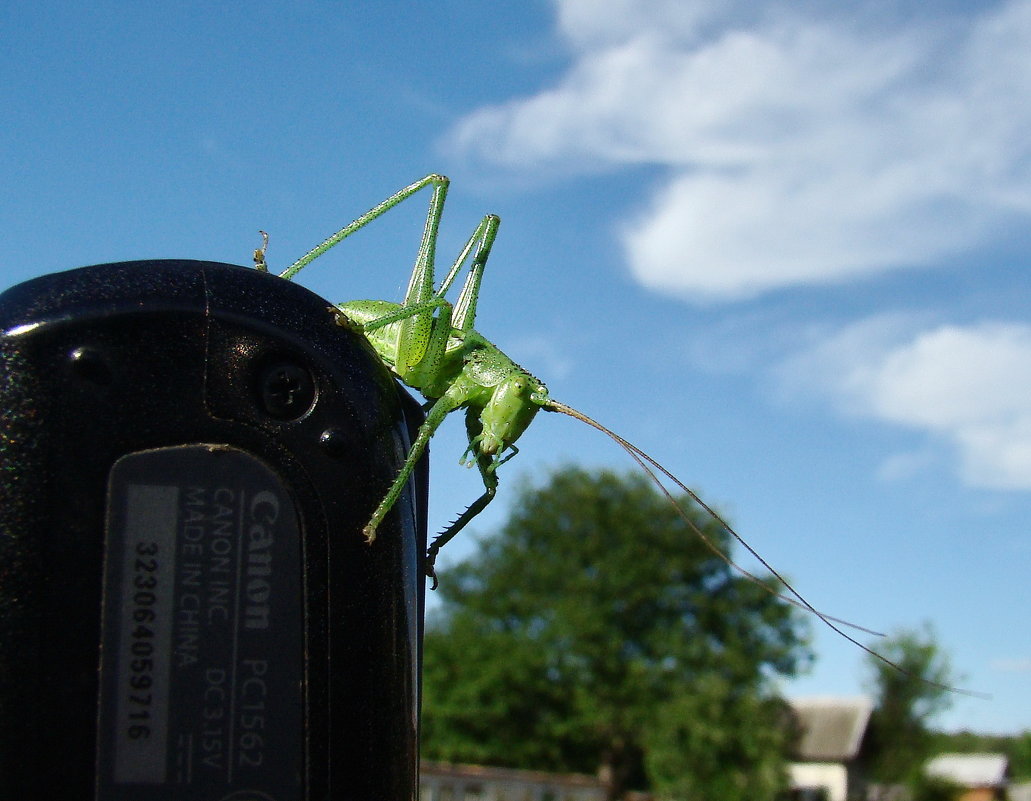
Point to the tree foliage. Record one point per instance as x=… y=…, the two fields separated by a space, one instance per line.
x=933 y=788
x=596 y=633
x=906 y=701
x=1018 y=751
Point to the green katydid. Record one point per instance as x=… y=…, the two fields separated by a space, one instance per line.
x=431 y=346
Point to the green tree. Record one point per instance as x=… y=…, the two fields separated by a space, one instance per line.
x=906 y=701
x=596 y=633
x=931 y=788
x=1018 y=749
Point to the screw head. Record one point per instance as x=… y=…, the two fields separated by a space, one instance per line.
x=286 y=390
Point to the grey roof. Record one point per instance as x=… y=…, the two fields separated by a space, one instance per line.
x=970 y=770
x=832 y=728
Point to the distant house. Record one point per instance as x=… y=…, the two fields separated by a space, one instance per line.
x=984 y=777
x=827 y=766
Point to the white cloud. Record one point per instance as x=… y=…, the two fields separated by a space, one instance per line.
x=966 y=386
x=798 y=149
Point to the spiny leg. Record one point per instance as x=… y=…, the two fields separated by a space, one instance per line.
x=436 y=208
x=487 y=466
x=444 y=537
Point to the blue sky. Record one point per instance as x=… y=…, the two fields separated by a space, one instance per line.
x=781 y=246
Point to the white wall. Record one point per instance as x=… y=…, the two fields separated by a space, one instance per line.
x=829 y=775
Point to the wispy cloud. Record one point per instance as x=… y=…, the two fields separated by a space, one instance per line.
x=800 y=147
x=968 y=387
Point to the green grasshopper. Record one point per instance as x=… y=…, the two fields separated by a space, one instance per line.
x=431 y=346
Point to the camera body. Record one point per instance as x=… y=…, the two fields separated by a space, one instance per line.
x=188 y=610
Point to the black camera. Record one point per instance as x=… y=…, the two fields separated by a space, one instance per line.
x=188 y=609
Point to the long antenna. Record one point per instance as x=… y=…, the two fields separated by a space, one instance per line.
x=646 y=463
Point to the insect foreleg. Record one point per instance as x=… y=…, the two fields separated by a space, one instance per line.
x=471 y=453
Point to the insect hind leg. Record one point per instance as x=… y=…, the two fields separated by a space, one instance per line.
x=487 y=465
x=444 y=537
x=483 y=239
x=436 y=208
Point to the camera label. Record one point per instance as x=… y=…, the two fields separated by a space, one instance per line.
x=203 y=631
